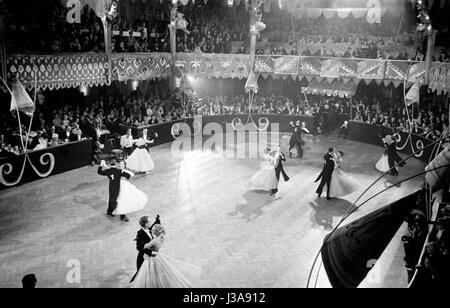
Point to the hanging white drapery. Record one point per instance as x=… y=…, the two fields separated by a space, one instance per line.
x=102 y=8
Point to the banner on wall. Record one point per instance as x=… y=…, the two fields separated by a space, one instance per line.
x=335 y=88
x=90 y=69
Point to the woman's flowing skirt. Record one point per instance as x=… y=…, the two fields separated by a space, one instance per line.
x=163 y=271
x=130 y=199
x=383 y=164
x=342 y=184
x=140 y=161
x=265 y=178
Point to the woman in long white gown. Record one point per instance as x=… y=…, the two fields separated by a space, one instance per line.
x=140 y=160
x=162 y=271
x=342 y=184
x=130 y=199
x=265 y=178
x=382 y=164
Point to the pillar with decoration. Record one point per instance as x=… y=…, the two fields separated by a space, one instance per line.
x=256 y=26
x=173 y=41
x=177 y=22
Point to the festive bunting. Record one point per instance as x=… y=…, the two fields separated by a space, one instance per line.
x=336 y=88
x=59 y=71
x=371 y=69
x=141 y=67
x=439 y=78
x=65 y=71
x=397 y=70
x=286 y=65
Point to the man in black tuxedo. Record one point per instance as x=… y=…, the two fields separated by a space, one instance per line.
x=143 y=238
x=279 y=169
x=114 y=175
x=325 y=175
x=393 y=157
x=149 y=136
x=296 y=140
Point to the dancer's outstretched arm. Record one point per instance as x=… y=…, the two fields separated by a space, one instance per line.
x=102 y=169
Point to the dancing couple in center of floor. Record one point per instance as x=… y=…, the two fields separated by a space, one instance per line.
x=124 y=197
x=140 y=160
x=268 y=177
x=296 y=142
x=337 y=182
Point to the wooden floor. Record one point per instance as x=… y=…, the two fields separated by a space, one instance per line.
x=239 y=238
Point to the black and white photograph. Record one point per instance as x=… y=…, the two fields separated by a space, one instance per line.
x=224 y=144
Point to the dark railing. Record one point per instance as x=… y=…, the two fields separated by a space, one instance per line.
x=46 y=162
x=407 y=143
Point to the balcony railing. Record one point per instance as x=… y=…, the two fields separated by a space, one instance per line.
x=91 y=69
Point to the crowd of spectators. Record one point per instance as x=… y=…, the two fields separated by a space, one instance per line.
x=434 y=270
x=371 y=51
x=58 y=123
x=43 y=27
x=429 y=121
x=212 y=28
x=364 y=40
x=55 y=123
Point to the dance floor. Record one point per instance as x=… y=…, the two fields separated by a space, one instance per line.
x=240 y=238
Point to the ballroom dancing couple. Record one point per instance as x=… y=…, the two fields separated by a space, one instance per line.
x=124 y=197
x=268 y=177
x=337 y=182
x=297 y=141
x=139 y=159
x=156 y=269
x=390 y=160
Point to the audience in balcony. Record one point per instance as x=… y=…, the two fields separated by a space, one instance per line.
x=43 y=27
x=213 y=27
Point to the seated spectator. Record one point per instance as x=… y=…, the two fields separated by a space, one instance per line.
x=75 y=135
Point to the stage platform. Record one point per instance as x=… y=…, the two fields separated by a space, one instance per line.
x=240 y=238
